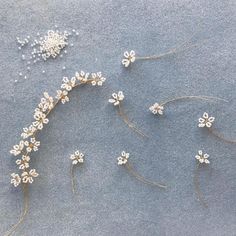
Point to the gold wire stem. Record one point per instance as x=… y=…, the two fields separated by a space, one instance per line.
x=220 y=136
x=128 y=122
x=197 y=187
x=141 y=178
x=72 y=178
x=25 y=210
x=206 y=98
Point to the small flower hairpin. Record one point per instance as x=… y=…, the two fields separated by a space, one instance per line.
x=116 y=100
x=123 y=160
x=77 y=158
x=158 y=108
x=207 y=121
x=29 y=142
x=202 y=158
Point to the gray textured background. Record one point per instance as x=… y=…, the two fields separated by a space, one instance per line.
x=110 y=201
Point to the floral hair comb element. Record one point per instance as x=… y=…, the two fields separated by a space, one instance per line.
x=123 y=161
x=77 y=158
x=207 y=121
x=29 y=142
x=116 y=100
x=158 y=108
x=202 y=159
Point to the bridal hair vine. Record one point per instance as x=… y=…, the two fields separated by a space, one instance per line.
x=123 y=160
x=77 y=158
x=30 y=144
x=207 y=121
x=158 y=108
x=116 y=100
x=202 y=159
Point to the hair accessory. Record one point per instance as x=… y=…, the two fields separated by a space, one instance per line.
x=207 y=121
x=29 y=142
x=116 y=100
x=158 y=108
x=202 y=159
x=123 y=160
x=77 y=158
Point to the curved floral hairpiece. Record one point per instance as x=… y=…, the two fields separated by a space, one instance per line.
x=123 y=160
x=207 y=121
x=29 y=142
x=158 y=108
x=116 y=100
x=202 y=158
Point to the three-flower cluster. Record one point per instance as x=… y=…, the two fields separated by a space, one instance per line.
x=29 y=144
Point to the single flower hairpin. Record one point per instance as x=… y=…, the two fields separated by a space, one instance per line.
x=158 y=108
x=29 y=142
x=130 y=55
x=207 y=121
x=116 y=100
x=202 y=158
x=77 y=158
x=123 y=160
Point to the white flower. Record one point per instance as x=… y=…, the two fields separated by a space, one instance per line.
x=17 y=149
x=27 y=177
x=122 y=160
x=156 y=108
x=205 y=120
x=116 y=98
x=98 y=79
x=68 y=84
x=23 y=163
x=77 y=157
x=16 y=179
x=62 y=95
x=32 y=145
x=46 y=102
x=129 y=58
x=40 y=118
x=82 y=76
x=202 y=158
x=28 y=131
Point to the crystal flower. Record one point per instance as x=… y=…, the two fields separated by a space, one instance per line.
x=82 y=76
x=46 y=102
x=17 y=149
x=129 y=58
x=122 y=160
x=52 y=44
x=77 y=157
x=40 y=119
x=23 y=163
x=27 y=177
x=62 y=95
x=156 y=108
x=32 y=145
x=16 y=179
x=28 y=131
x=98 y=79
x=205 y=120
x=202 y=158
x=68 y=84
x=117 y=98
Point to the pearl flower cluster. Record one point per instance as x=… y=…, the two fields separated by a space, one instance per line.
x=129 y=57
x=29 y=143
x=77 y=157
x=156 y=109
x=123 y=159
x=116 y=98
x=202 y=158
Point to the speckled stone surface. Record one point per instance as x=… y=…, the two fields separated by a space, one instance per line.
x=110 y=200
